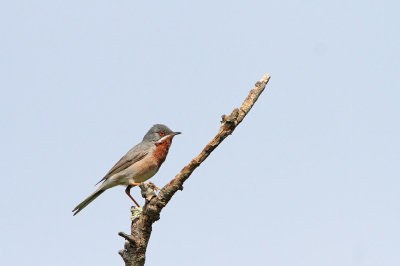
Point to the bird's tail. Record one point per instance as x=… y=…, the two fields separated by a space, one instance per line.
x=88 y=200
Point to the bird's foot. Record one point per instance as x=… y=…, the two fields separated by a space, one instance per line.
x=154 y=186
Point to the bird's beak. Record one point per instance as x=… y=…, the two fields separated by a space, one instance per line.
x=175 y=133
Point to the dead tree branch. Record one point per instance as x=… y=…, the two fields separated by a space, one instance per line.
x=134 y=252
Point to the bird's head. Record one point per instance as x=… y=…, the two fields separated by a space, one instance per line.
x=159 y=132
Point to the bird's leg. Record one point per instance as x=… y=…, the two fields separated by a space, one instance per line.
x=132 y=184
x=128 y=192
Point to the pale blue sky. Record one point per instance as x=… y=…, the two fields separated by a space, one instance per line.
x=311 y=177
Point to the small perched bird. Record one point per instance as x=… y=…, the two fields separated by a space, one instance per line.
x=138 y=165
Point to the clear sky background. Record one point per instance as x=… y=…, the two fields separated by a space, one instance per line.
x=311 y=177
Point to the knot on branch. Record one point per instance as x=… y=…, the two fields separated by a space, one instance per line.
x=177 y=186
x=148 y=190
x=152 y=211
x=258 y=84
x=229 y=120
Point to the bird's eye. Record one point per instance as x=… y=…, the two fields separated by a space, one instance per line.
x=162 y=133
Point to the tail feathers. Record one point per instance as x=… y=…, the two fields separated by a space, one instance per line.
x=88 y=200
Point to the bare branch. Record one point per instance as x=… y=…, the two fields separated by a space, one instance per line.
x=134 y=253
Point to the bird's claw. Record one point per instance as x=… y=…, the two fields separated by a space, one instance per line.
x=154 y=187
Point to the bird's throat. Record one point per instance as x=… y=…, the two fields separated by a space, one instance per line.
x=161 y=150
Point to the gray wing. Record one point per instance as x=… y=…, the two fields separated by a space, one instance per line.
x=132 y=156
